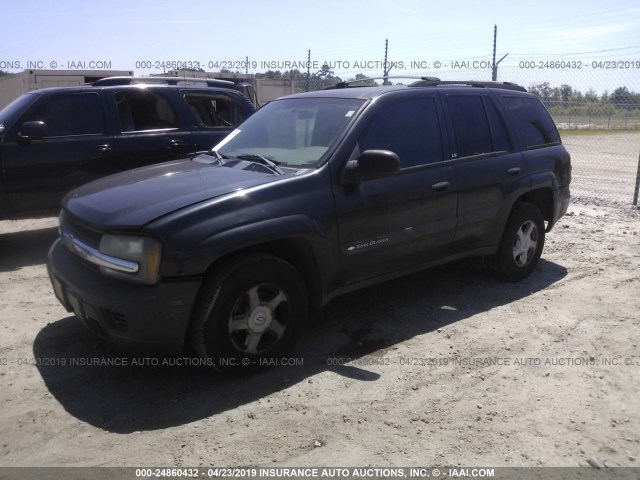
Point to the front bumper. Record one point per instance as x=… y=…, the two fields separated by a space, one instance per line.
x=145 y=318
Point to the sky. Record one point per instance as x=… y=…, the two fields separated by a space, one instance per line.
x=559 y=42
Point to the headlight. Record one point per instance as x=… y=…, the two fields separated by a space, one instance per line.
x=144 y=251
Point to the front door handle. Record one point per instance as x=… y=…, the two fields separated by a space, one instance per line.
x=514 y=171
x=175 y=145
x=440 y=186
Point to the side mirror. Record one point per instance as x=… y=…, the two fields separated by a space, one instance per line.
x=372 y=164
x=32 y=131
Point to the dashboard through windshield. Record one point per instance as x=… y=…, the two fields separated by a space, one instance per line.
x=293 y=132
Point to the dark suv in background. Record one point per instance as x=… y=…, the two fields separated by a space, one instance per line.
x=314 y=195
x=53 y=140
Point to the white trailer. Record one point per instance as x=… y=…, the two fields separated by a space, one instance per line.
x=16 y=84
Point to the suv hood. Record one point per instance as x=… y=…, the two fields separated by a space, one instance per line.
x=134 y=198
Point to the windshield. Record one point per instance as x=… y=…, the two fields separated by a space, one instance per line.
x=294 y=131
x=11 y=112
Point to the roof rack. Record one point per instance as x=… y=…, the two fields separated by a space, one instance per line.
x=181 y=81
x=348 y=83
x=432 y=82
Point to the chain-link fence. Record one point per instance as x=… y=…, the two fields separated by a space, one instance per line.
x=570 y=115
x=599 y=119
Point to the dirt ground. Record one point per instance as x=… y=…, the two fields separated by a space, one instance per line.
x=451 y=366
x=605 y=165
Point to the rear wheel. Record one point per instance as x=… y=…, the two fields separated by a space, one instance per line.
x=522 y=242
x=249 y=314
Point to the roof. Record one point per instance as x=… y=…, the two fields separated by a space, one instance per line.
x=88 y=86
x=352 y=92
x=158 y=80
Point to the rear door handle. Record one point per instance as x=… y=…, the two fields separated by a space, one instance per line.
x=103 y=149
x=514 y=171
x=440 y=186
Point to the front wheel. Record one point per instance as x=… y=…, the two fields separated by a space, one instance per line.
x=249 y=314
x=522 y=242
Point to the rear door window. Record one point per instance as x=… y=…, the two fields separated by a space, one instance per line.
x=499 y=136
x=141 y=110
x=470 y=125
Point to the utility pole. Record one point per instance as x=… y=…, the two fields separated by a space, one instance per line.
x=308 y=70
x=636 y=192
x=494 y=69
x=386 y=70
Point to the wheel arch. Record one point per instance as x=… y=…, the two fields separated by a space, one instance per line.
x=542 y=198
x=294 y=250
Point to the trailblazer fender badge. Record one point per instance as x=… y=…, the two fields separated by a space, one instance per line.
x=367 y=244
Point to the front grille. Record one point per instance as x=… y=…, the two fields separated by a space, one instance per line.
x=82 y=232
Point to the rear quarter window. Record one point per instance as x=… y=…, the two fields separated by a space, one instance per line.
x=533 y=121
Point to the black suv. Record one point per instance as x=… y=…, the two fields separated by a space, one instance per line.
x=315 y=195
x=53 y=140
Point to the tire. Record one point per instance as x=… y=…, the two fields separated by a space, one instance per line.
x=522 y=242
x=249 y=314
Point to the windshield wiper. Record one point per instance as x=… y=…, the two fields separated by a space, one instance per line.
x=258 y=159
x=213 y=153
x=217 y=158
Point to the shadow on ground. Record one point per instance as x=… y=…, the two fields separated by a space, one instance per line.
x=26 y=248
x=128 y=399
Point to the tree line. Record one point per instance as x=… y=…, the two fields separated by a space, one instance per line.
x=565 y=95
